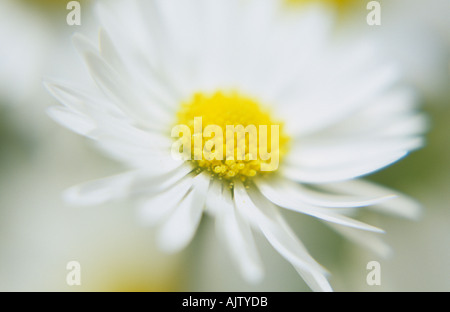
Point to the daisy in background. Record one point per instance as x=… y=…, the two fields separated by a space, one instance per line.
x=342 y=113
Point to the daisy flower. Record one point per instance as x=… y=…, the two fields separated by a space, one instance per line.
x=340 y=112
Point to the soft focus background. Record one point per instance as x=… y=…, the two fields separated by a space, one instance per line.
x=40 y=234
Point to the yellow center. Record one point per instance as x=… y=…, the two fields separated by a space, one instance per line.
x=222 y=109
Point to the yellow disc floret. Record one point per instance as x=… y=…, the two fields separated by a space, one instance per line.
x=231 y=136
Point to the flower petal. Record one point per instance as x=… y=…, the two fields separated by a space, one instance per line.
x=76 y=122
x=365 y=239
x=158 y=160
x=322 y=109
x=179 y=229
x=288 y=201
x=335 y=152
x=300 y=193
x=274 y=228
x=126 y=96
x=390 y=115
x=109 y=52
x=402 y=206
x=151 y=211
x=293 y=68
x=340 y=173
x=81 y=101
x=212 y=204
x=144 y=57
x=238 y=237
x=122 y=185
x=156 y=183
x=316 y=281
x=101 y=190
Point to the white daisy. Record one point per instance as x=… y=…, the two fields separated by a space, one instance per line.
x=341 y=111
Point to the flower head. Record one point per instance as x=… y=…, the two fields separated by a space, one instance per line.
x=338 y=114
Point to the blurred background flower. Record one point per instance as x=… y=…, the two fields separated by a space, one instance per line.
x=40 y=234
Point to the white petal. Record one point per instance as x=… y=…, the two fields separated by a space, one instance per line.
x=183 y=29
x=83 y=44
x=179 y=229
x=109 y=52
x=116 y=131
x=374 y=120
x=238 y=237
x=123 y=185
x=335 y=152
x=402 y=205
x=127 y=97
x=322 y=109
x=410 y=125
x=76 y=122
x=395 y=102
x=316 y=74
x=154 y=88
x=300 y=193
x=285 y=200
x=212 y=204
x=316 y=281
x=140 y=32
x=80 y=101
x=157 y=160
x=294 y=54
x=153 y=210
x=156 y=183
x=274 y=228
x=171 y=35
x=340 y=173
x=253 y=42
x=365 y=239
x=282 y=238
x=101 y=190
x=145 y=55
